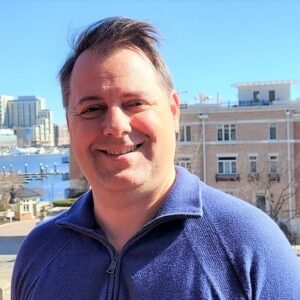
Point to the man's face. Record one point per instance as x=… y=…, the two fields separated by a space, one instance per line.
x=122 y=121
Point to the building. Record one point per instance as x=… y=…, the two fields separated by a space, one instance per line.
x=61 y=135
x=24 y=111
x=24 y=136
x=43 y=131
x=29 y=118
x=8 y=138
x=3 y=109
x=250 y=149
x=25 y=203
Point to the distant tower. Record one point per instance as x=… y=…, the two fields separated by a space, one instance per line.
x=24 y=111
x=44 y=130
x=3 y=110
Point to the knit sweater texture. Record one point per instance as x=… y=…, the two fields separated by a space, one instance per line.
x=202 y=244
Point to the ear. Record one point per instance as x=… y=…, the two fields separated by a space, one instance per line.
x=175 y=109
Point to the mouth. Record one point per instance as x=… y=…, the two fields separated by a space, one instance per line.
x=121 y=150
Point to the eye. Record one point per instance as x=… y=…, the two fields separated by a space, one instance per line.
x=93 y=111
x=134 y=104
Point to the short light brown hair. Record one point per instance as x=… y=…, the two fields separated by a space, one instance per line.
x=112 y=33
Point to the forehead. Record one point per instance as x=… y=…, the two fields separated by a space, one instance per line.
x=118 y=67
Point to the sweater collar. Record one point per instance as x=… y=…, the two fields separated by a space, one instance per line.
x=184 y=200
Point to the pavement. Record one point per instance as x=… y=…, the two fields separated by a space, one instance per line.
x=11 y=236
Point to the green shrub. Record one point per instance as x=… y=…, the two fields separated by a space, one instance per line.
x=2 y=207
x=64 y=203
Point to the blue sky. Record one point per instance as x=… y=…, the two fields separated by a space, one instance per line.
x=208 y=45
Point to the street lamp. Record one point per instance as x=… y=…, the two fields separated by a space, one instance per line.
x=203 y=117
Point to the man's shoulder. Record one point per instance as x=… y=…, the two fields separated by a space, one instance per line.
x=247 y=233
x=242 y=238
x=44 y=238
x=237 y=216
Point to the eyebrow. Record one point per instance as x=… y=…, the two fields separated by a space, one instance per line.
x=138 y=93
x=89 y=98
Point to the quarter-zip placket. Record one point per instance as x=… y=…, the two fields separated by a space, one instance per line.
x=112 y=268
x=111 y=271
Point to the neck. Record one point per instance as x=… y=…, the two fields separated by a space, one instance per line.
x=122 y=215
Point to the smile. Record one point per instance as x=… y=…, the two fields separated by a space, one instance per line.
x=121 y=151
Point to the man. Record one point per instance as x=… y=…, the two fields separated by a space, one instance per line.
x=145 y=230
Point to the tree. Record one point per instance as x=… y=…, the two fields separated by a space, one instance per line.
x=277 y=204
x=275 y=195
x=7 y=183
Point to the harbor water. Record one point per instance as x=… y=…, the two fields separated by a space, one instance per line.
x=53 y=185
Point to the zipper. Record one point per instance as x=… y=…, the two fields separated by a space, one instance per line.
x=112 y=273
x=112 y=269
x=112 y=266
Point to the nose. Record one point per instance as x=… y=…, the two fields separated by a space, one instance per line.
x=116 y=122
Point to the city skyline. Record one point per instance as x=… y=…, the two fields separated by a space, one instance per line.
x=208 y=45
x=31 y=121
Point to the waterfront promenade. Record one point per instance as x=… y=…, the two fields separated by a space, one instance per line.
x=11 y=236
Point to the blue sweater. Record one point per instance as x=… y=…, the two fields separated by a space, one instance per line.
x=202 y=244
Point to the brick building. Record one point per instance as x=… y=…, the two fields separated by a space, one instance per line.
x=250 y=149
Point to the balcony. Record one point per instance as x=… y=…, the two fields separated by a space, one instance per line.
x=227 y=177
x=253 y=176
x=255 y=103
x=274 y=177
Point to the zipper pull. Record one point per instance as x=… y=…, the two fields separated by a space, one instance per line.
x=112 y=267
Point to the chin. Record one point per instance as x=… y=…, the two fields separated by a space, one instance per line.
x=121 y=180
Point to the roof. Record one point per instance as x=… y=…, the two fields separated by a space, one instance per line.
x=256 y=83
x=26 y=193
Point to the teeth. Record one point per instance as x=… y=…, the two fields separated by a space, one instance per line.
x=121 y=151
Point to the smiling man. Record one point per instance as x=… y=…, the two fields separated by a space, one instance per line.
x=145 y=230
x=122 y=130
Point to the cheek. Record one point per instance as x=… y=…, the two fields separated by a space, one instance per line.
x=81 y=131
x=148 y=123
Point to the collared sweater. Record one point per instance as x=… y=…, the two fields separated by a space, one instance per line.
x=202 y=244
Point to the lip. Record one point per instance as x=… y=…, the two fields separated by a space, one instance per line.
x=119 y=151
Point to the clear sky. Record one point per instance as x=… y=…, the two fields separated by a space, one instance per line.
x=208 y=45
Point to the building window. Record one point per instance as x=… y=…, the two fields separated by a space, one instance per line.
x=185 y=133
x=184 y=162
x=227 y=165
x=272 y=131
x=226 y=132
x=273 y=172
x=273 y=164
x=25 y=207
x=271 y=96
x=261 y=202
x=256 y=96
x=253 y=164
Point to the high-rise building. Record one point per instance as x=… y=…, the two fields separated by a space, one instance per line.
x=24 y=111
x=3 y=109
x=46 y=130
x=28 y=112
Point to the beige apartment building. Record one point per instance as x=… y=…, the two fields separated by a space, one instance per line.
x=250 y=150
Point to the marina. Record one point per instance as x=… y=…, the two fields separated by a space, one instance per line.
x=47 y=174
